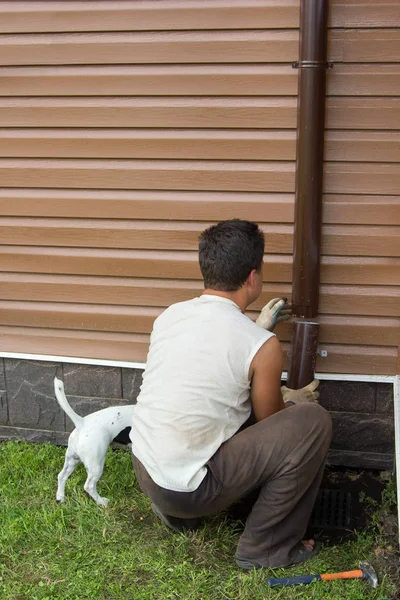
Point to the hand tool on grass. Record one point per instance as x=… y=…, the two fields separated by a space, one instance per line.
x=366 y=572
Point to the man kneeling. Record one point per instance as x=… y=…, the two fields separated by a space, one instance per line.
x=209 y=366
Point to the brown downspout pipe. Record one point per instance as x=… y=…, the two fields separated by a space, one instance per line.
x=312 y=67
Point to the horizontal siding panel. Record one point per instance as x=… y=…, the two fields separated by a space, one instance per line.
x=362 y=113
x=359 y=330
x=340 y=300
x=364 y=13
x=134 y=319
x=193 y=80
x=213 y=144
x=197 y=206
x=349 y=46
x=153 y=80
x=339 y=178
x=354 y=330
x=240 y=112
x=150 y=235
x=364 y=80
x=151 y=47
x=103 y=290
x=360 y=300
x=180 y=265
x=111 y=290
x=131 y=263
x=369 y=360
x=184 y=265
x=92 y=317
x=88 y=344
x=134 y=347
x=193 y=206
x=362 y=146
x=162 y=235
x=141 y=174
x=360 y=270
x=361 y=209
x=154 y=143
x=367 y=240
x=44 y=16
x=147 y=15
x=191 y=112
x=361 y=178
x=366 y=45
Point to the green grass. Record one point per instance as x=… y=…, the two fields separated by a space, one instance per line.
x=78 y=550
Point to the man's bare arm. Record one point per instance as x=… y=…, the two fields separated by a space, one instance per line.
x=265 y=375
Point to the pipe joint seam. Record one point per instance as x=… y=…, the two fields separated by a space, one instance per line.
x=312 y=64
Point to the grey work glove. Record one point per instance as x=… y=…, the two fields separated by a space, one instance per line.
x=276 y=311
x=305 y=394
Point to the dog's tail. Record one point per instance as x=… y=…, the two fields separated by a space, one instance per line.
x=63 y=402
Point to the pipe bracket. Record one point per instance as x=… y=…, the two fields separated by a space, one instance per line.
x=322 y=353
x=312 y=64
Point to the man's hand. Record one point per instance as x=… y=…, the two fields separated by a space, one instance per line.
x=305 y=394
x=273 y=313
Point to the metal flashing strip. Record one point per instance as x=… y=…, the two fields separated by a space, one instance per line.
x=74 y=360
x=353 y=377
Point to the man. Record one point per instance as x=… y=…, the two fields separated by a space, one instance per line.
x=209 y=366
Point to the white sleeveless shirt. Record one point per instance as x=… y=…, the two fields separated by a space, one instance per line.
x=196 y=391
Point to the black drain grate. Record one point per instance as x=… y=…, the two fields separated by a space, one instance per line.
x=332 y=510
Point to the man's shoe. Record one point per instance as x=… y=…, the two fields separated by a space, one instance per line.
x=176 y=523
x=301 y=555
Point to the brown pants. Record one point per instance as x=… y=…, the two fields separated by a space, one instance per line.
x=284 y=456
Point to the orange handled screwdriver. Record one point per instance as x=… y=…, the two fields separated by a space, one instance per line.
x=365 y=572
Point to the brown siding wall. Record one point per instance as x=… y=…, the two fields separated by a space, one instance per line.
x=128 y=127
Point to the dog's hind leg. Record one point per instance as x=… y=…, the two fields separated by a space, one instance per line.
x=70 y=463
x=94 y=474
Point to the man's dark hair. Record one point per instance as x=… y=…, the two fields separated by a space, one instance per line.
x=228 y=252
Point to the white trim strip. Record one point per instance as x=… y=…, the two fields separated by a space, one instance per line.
x=352 y=377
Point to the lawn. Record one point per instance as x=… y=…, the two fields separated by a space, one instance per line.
x=78 y=550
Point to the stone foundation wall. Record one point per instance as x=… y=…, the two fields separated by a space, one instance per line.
x=29 y=410
x=363 y=427
x=363 y=423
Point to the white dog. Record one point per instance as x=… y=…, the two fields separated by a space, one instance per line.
x=89 y=441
